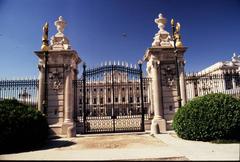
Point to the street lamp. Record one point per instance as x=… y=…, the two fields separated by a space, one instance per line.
x=176 y=63
x=45 y=48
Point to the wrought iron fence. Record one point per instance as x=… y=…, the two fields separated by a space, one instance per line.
x=200 y=84
x=24 y=90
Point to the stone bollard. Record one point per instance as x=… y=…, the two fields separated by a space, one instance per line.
x=71 y=131
x=155 y=128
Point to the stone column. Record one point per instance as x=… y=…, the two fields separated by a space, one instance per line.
x=41 y=89
x=158 y=123
x=67 y=97
x=234 y=82
x=156 y=90
x=182 y=83
x=68 y=125
x=150 y=94
x=223 y=81
x=193 y=90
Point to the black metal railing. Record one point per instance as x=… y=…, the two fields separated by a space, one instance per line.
x=24 y=90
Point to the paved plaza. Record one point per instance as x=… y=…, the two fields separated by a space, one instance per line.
x=129 y=146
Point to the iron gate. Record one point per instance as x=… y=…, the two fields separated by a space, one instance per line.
x=109 y=99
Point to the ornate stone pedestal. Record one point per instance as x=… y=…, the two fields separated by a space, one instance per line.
x=161 y=67
x=62 y=69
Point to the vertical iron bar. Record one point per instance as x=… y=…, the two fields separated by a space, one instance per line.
x=142 y=104
x=75 y=100
x=178 y=84
x=46 y=84
x=84 y=98
x=176 y=64
x=113 y=113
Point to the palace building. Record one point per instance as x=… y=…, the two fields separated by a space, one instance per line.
x=220 y=77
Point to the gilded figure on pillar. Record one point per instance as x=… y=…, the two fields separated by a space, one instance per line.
x=44 y=46
x=178 y=36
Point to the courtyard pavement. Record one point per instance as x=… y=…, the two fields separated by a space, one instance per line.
x=129 y=146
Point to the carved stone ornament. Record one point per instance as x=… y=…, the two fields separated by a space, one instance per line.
x=168 y=76
x=162 y=38
x=235 y=58
x=41 y=67
x=56 y=79
x=60 y=41
x=67 y=68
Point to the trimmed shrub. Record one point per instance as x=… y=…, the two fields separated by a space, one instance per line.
x=21 y=126
x=210 y=117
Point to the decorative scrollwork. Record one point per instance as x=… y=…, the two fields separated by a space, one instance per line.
x=55 y=79
x=168 y=73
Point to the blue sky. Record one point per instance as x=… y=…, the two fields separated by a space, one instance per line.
x=210 y=29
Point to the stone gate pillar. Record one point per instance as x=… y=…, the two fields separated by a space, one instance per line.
x=161 y=67
x=62 y=67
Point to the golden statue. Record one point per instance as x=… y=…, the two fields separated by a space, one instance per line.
x=178 y=36
x=44 y=46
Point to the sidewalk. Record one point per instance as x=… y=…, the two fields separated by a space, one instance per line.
x=197 y=150
x=129 y=147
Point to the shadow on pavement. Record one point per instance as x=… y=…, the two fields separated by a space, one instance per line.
x=49 y=144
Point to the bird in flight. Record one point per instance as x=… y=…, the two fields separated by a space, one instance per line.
x=124 y=34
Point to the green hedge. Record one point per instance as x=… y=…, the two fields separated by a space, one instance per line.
x=210 y=117
x=21 y=126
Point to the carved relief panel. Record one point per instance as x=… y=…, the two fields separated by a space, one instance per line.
x=168 y=75
x=56 y=76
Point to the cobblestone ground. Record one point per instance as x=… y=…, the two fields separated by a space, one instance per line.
x=134 y=146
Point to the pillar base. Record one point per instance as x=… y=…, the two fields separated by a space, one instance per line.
x=69 y=129
x=158 y=126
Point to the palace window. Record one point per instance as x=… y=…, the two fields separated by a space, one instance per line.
x=109 y=99
x=87 y=101
x=138 y=99
x=131 y=100
x=170 y=108
x=101 y=100
x=145 y=98
x=95 y=101
x=116 y=99
x=123 y=99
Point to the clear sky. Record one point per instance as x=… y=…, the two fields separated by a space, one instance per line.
x=210 y=29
